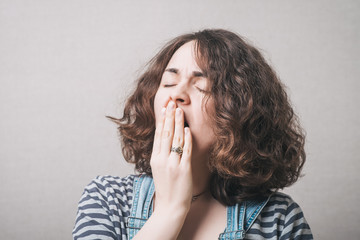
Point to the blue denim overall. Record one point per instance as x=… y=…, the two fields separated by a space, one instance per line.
x=240 y=217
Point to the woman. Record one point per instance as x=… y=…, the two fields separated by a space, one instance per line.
x=213 y=136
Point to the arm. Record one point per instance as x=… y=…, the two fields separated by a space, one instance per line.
x=102 y=208
x=172 y=177
x=295 y=225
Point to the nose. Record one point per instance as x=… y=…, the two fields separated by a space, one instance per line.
x=180 y=95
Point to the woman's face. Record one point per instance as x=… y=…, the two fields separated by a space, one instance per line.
x=184 y=83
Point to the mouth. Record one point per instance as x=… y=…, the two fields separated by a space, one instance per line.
x=186 y=124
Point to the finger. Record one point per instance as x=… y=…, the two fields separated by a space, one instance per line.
x=168 y=130
x=158 y=132
x=178 y=139
x=186 y=156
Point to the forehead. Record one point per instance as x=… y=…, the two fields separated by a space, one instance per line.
x=185 y=56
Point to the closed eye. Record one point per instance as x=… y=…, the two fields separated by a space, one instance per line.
x=171 y=70
x=198 y=74
x=202 y=90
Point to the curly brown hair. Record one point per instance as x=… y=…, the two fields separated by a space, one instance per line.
x=259 y=145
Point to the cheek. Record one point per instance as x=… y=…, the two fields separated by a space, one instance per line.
x=160 y=101
x=206 y=126
x=203 y=137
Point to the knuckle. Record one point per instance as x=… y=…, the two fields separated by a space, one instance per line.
x=172 y=168
x=169 y=115
x=177 y=139
x=166 y=133
x=153 y=163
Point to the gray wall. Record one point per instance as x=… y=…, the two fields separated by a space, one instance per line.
x=64 y=65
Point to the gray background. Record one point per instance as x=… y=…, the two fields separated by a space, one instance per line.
x=64 y=65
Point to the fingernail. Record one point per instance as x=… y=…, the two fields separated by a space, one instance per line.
x=171 y=105
x=178 y=112
x=163 y=110
x=186 y=130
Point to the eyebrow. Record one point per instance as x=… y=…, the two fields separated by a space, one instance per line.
x=194 y=73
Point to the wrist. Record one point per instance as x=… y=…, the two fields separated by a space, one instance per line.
x=172 y=213
x=162 y=224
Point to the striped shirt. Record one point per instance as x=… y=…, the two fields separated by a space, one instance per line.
x=106 y=202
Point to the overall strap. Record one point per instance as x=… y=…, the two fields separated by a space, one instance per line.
x=253 y=209
x=141 y=209
x=234 y=223
x=240 y=218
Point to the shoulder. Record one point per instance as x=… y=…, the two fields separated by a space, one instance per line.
x=111 y=184
x=104 y=207
x=282 y=206
x=281 y=218
x=111 y=192
x=280 y=202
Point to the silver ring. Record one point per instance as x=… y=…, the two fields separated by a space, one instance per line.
x=178 y=150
